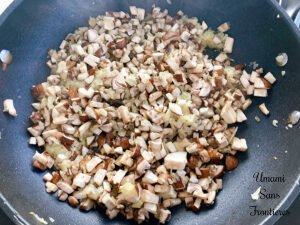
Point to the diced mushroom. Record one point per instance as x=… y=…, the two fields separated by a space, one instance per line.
x=221 y=139
x=73 y=201
x=231 y=162
x=162 y=188
x=81 y=180
x=148 y=196
x=150 y=207
x=109 y=201
x=140 y=13
x=282 y=59
x=143 y=166
x=245 y=80
x=253 y=76
x=255 y=196
x=6 y=58
x=260 y=93
x=224 y=27
x=92 y=35
x=175 y=108
x=41 y=158
x=47 y=177
x=154 y=96
x=228 y=45
x=65 y=187
x=258 y=83
x=210 y=197
x=119 y=176
x=172 y=63
x=86 y=205
x=84 y=127
x=171 y=202
x=275 y=123
x=270 y=78
x=90 y=165
x=108 y=23
x=239 y=144
x=176 y=160
x=240 y=116
x=86 y=93
x=92 y=60
x=150 y=177
x=228 y=113
x=221 y=57
x=185 y=35
x=215 y=171
x=8 y=105
x=129 y=192
x=164 y=215
x=50 y=187
x=124 y=114
x=264 y=109
x=294 y=117
x=99 y=176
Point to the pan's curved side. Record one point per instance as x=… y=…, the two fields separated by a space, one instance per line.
x=11 y=212
x=9 y=10
x=294 y=192
x=5 y=206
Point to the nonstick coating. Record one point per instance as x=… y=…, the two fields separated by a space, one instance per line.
x=35 y=26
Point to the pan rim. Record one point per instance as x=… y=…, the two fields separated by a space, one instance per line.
x=284 y=204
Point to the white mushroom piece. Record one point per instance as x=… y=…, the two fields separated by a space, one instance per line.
x=263 y=108
x=294 y=117
x=8 y=106
x=6 y=58
x=176 y=160
x=255 y=195
x=281 y=59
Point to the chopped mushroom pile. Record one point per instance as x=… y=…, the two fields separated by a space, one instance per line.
x=134 y=116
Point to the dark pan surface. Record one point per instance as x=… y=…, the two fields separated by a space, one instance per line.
x=35 y=26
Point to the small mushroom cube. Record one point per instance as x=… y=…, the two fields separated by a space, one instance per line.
x=148 y=196
x=90 y=165
x=129 y=192
x=150 y=177
x=221 y=139
x=239 y=144
x=81 y=180
x=9 y=107
x=224 y=27
x=176 y=160
x=228 y=113
x=99 y=176
x=67 y=188
x=228 y=45
x=119 y=176
x=109 y=201
x=270 y=77
x=263 y=108
x=260 y=92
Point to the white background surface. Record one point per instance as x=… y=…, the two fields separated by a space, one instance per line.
x=4 y=4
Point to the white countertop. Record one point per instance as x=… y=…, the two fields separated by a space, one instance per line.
x=4 y=4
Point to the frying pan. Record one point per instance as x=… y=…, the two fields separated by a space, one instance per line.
x=32 y=27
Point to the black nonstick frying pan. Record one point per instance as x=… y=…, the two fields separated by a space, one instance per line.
x=261 y=30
